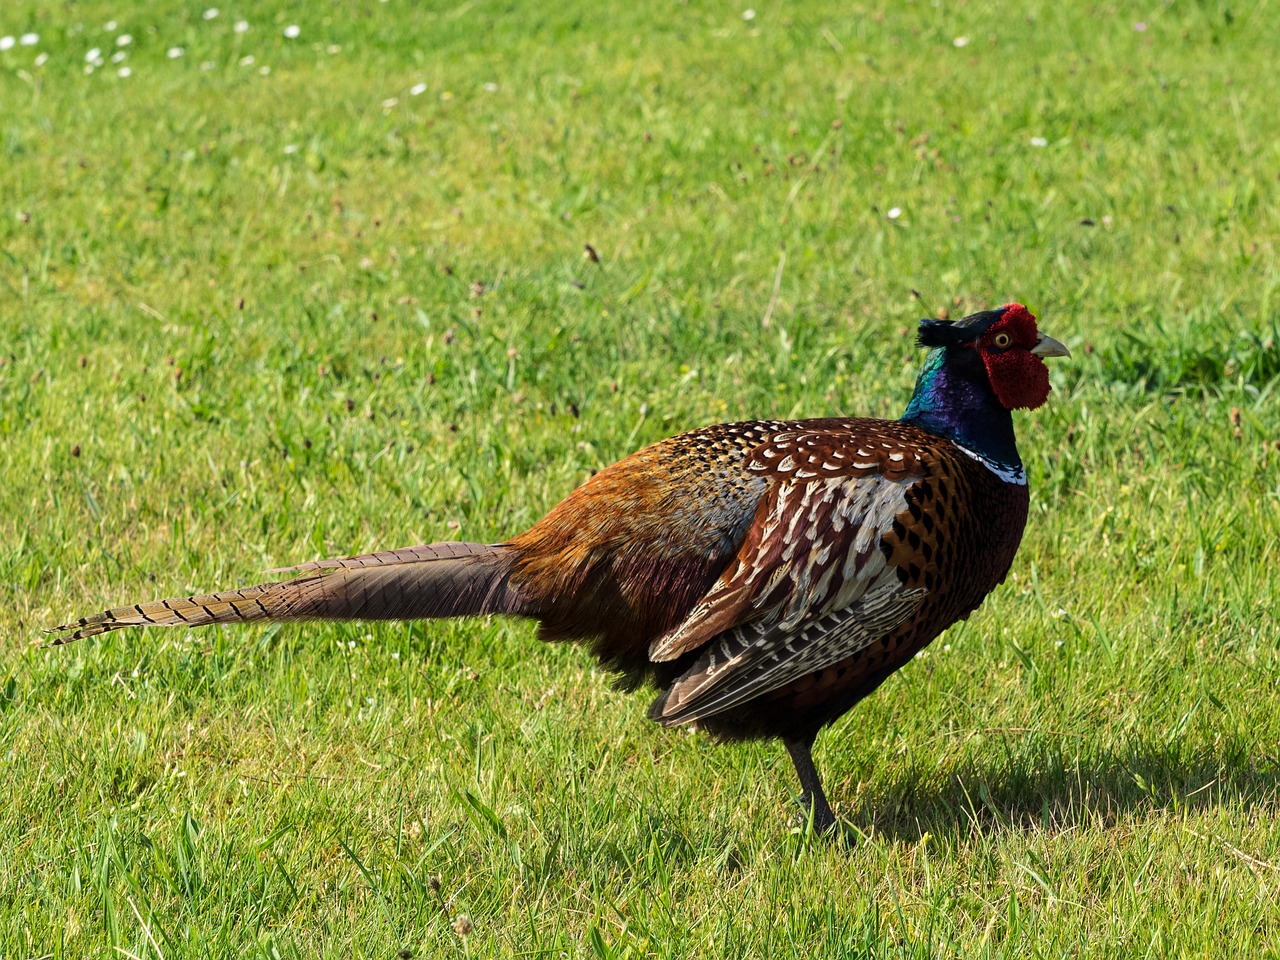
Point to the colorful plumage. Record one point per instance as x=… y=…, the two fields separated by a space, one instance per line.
x=764 y=576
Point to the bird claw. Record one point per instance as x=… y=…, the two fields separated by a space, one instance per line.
x=818 y=817
x=829 y=828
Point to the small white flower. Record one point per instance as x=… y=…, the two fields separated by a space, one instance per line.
x=1057 y=643
x=291 y=148
x=125 y=72
x=42 y=59
x=333 y=48
x=960 y=42
x=174 y=53
x=247 y=61
x=210 y=13
x=181 y=773
x=748 y=14
x=894 y=213
x=369 y=701
x=490 y=87
x=119 y=56
x=264 y=71
x=417 y=89
x=242 y=26
x=390 y=102
x=92 y=55
x=395 y=654
x=110 y=26
x=1039 y=142
x=6 y=43
x=291 y=31
x=946 y=648
x=124 y=40
x=29 y=39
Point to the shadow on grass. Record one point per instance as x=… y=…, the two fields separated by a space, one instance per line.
x=1016 y=793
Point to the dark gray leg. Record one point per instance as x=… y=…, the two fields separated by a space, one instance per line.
x=812 y=799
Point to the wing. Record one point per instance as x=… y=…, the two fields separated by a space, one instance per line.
x=828 y=567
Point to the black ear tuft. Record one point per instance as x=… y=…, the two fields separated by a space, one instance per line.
x=939 y=333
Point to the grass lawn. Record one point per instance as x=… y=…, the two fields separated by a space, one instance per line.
x=266 y=298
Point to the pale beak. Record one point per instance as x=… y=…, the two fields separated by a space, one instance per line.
x=1049 y=347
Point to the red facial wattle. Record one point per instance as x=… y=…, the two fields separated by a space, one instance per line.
x=1019 y=378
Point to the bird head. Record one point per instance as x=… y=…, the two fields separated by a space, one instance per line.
x=1002 y=346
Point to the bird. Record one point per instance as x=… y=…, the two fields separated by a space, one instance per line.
x=763 y=576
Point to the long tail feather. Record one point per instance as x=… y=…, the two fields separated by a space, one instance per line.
x=436 y=580
x=426 y=551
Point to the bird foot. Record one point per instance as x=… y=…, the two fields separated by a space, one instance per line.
x=820 y=821
x=817 y=813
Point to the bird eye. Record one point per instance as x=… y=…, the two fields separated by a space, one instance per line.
x=1002 y=340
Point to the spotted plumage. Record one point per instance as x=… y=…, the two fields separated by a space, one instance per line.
x=763 y=576
x=851 y=560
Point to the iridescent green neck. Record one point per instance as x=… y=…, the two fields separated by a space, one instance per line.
x=954 y=400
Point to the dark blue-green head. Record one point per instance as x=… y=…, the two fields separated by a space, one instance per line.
x=979 y=369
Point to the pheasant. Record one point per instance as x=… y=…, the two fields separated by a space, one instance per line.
x=764 y=576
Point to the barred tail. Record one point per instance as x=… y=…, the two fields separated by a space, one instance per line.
x=425 y=582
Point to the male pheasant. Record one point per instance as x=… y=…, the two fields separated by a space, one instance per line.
x=764 y=576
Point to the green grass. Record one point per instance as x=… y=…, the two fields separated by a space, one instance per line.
x=247 y=320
